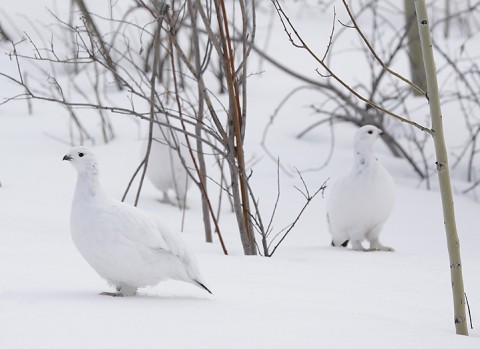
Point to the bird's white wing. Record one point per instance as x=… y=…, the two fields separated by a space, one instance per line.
x=180 y=249
x=135 y=225
x=147 y=231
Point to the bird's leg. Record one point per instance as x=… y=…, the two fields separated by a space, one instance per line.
x=165 y=198
x=127 y=290
x=375 y=245
x=178 y=202
x=122 y=291
x=357 y=245
x=181 y=203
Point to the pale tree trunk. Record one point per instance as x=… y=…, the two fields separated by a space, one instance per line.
x=417 y=71
x=443 y=171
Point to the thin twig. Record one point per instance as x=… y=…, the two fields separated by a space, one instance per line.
x=374 y=53
x=197 y=169
x=286 y=23
x=286 y=231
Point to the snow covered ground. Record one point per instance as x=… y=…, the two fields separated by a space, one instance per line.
x=308 y=295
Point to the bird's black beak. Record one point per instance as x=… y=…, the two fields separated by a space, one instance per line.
x=67 y=158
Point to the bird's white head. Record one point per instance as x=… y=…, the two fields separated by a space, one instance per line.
x=82 y=159
x=366 y=136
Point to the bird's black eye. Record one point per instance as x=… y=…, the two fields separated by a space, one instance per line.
x=81 y=154
x=370 y=132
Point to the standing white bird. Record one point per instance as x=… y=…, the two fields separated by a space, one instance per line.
x=127 y=247
x=165 y=169
x=360 y=203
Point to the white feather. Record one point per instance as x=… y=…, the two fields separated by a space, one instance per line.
x=360 y=203
x=127 y=247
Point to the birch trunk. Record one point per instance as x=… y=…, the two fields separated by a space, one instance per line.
x=443 y=171
x=417 y=70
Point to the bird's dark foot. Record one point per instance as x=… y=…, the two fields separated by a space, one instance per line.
x=345 y=244
x=111 y=294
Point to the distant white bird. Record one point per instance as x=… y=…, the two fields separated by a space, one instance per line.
x=360 y=203
x=165 y=167
x=127 y=247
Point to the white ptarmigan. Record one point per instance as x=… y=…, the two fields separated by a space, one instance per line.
x=127 y=247
x=360 y=203
x=165 y=169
